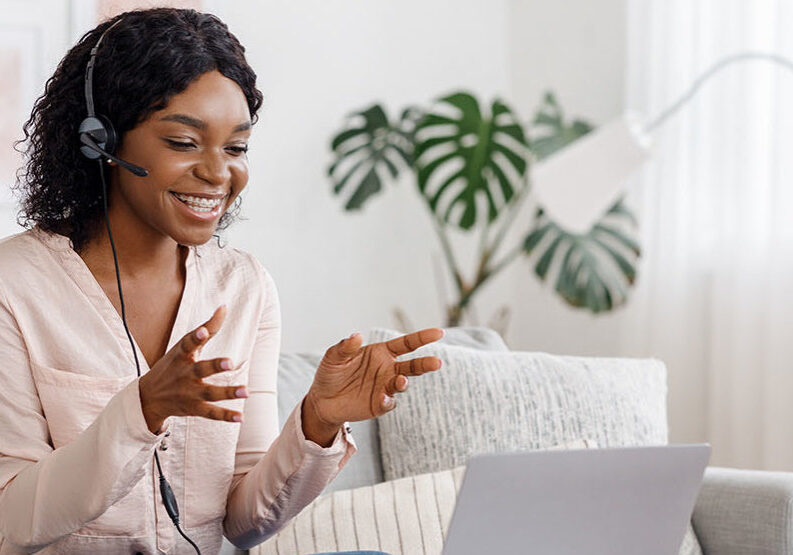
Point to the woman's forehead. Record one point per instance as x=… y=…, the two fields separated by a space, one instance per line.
x=211 y=101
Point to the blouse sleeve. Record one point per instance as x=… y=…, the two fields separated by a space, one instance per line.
x=47 y=493
x=275 y=475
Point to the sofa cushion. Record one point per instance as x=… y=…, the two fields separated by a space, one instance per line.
x=491 y=401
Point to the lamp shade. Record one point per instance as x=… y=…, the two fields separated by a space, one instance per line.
x=579 y=183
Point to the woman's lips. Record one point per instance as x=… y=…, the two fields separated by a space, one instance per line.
x=200 y=216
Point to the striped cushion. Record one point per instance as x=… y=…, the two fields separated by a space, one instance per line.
x=408 y=516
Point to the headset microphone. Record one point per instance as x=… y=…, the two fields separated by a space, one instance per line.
x=86 y=139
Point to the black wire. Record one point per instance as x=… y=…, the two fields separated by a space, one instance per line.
x=174 y=517
x=176 y=523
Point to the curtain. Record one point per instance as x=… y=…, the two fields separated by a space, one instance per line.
x=715 y=295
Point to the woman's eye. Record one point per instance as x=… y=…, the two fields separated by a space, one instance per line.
x=239 y=149
x=184 y=146
x=177 y=144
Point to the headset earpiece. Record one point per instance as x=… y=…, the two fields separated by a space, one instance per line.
x=102 y=132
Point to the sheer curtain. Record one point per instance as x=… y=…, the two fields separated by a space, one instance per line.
x=715 y=300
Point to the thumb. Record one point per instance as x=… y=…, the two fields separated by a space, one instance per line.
x=345 y=349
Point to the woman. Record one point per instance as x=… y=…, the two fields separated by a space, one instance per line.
x=87 y=447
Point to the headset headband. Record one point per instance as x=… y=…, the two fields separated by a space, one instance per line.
x=89 y=73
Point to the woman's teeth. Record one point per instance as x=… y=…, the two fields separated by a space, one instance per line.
x=199 y=204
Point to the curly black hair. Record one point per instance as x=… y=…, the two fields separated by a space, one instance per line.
x=150 y=56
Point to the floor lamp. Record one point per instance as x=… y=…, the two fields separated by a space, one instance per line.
x=579 y=183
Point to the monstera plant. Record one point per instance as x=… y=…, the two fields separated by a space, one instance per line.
x=471 y=168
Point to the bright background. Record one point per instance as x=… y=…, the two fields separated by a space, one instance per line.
x=711 y=299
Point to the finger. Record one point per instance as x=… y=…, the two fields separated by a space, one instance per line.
x=388 y=402
x=418 y=366
x=214 y=412
x=204 y=368
x=221 y=393
x=412 y=341
x=398 y=384
x=345 y=349
x=191 y=342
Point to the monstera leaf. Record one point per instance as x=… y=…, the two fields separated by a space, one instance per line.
x=554 y=132
x=591 y=270
x=370 y=148
x=462 y=154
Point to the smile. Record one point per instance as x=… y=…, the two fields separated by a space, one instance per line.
x=201 y=208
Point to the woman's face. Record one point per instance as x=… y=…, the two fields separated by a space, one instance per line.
x=193 y=150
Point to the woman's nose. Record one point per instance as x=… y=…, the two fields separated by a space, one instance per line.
x=214 y=168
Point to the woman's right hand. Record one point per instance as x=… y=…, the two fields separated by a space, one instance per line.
x=174 y=386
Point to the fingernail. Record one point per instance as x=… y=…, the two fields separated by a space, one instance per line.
x=225 y=365
x=354 y=334
x=202 y=333
x=237 y=418
x=241 y=392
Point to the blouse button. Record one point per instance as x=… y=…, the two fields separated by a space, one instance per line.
x=167 y=433
x=348 y=429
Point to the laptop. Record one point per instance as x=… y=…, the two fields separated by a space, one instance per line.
x=633 y=500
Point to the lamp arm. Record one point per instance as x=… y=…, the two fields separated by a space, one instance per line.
x=661 y=118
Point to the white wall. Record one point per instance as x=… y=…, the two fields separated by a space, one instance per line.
x=338 y=272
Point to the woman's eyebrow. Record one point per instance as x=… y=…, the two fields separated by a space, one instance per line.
x=200 y=124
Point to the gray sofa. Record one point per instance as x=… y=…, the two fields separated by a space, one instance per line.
x=737 y=512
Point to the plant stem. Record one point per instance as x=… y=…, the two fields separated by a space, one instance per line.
x=514 y=206
x=484 y=271
x=518 y=249
x=447 y=250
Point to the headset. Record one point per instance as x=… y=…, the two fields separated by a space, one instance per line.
x=99 y=139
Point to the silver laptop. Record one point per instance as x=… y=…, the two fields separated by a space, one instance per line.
x=625 y=501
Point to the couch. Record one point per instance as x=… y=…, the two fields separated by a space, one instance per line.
x=531 y=401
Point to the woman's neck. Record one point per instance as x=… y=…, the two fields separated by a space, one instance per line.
x=141 y=256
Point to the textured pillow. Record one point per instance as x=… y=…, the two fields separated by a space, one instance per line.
x=409 y=516
x=490 y=401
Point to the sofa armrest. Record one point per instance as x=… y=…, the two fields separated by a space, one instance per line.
x=745 y=511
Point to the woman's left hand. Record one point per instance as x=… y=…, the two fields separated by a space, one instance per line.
x=357 y=383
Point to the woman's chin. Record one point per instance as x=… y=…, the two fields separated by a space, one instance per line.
x=193 y=238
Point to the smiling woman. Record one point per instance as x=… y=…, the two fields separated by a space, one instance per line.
x=85 y=442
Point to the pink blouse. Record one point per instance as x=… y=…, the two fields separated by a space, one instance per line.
x=76 y=457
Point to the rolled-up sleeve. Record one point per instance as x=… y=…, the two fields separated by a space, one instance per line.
x=47 y=493
x=275 y=475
